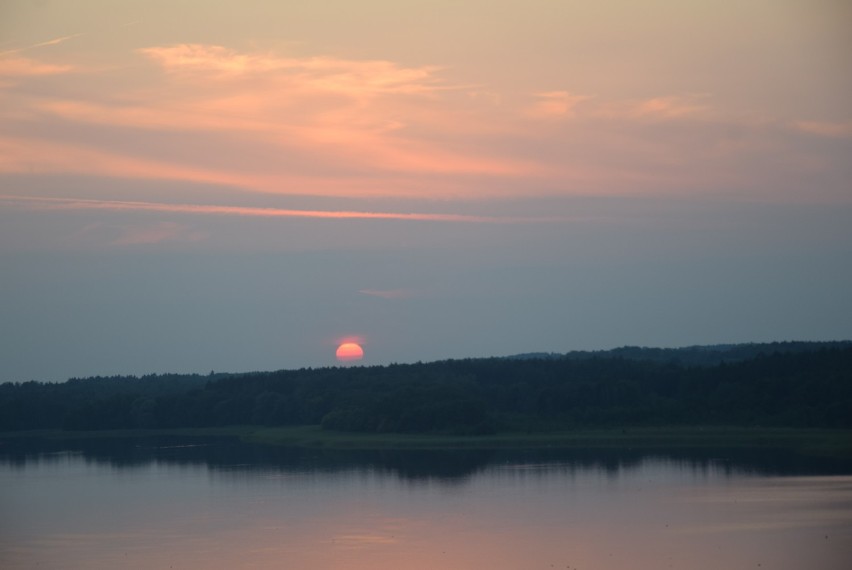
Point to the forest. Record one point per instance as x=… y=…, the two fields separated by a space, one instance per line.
x=780 y=384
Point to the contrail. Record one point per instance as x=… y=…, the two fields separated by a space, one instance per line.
x=52 y=42
x=43 y=203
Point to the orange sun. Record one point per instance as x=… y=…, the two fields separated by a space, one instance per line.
x=349 y=351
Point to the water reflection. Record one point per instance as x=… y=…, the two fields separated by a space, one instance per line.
x=450 y=466
x=213 y=503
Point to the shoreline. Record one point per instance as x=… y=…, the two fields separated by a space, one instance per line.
x=820 y=442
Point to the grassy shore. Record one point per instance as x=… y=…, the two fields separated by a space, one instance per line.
x=820 y=442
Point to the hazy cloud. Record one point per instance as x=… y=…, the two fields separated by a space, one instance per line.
x=667 y=107
x=825 y=129
x=138 y=234
x=390 y=293
x=556 y=104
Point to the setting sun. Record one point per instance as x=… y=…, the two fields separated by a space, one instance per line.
x=349 y=351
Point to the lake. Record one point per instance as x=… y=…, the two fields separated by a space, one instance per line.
x=214 y=503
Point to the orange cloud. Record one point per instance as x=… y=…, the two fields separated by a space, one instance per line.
x=359 y=111
x=350 y=77
x=556 y=104
x=360 y=124
x=259 y=121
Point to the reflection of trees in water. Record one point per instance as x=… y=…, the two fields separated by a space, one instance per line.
x=228 y=456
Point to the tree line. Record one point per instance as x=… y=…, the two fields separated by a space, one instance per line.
x=794 y=388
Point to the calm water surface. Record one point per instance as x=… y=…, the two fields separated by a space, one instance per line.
x=192 y=504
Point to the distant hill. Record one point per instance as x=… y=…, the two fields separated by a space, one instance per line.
x=700 y=355
x=795 y=384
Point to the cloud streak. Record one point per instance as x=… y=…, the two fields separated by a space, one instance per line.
x=46 y=204
x=568 y=105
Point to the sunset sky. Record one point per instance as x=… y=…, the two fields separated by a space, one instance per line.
x=189 y=186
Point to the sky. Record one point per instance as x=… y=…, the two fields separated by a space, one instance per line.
x=188 y=186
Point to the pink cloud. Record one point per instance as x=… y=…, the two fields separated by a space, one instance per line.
x=565 y=104
x=825 y=128
x=34 y=155
x=22 y=66
x=670 y=107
